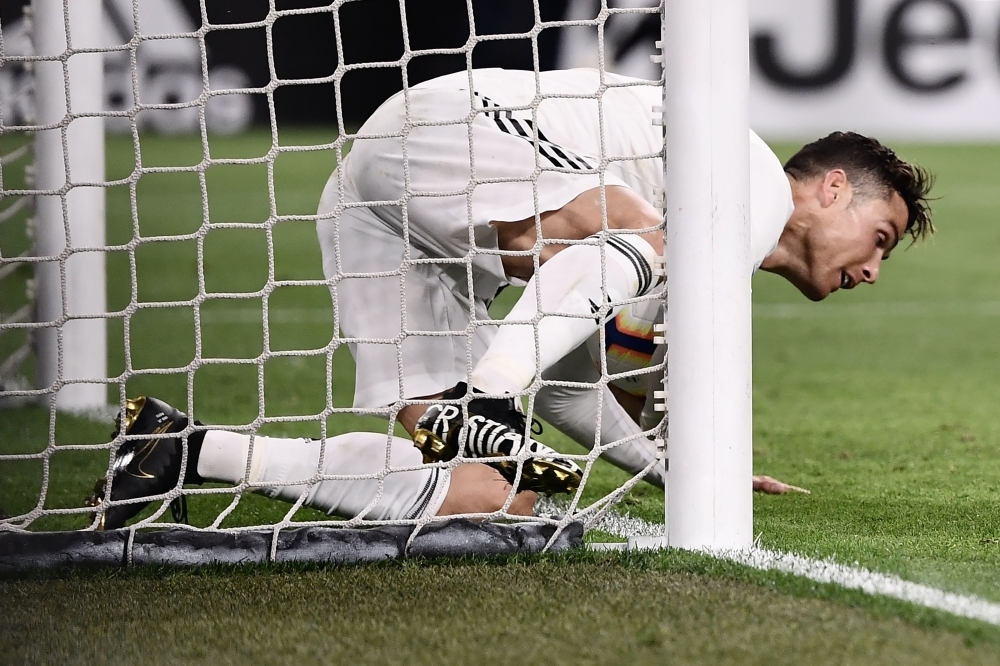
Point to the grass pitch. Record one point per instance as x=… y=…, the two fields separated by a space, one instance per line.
x=581 y=609
x=881 y=401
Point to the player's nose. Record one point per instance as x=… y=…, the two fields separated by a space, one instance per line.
x=870 y=270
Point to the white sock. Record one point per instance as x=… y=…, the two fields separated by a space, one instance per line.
x=571 y=286
x=285 y=467
x=573 y=410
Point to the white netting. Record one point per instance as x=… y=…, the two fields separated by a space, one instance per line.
x=16 y=181
x=135 y=111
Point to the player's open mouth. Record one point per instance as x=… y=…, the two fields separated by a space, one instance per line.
x=845 y=280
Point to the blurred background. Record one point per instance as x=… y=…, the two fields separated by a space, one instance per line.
x=902 y=69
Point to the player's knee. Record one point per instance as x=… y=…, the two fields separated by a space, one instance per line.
x=523 y=504
x=477 y=488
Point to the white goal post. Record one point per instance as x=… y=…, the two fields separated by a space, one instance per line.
x=709 y=490
x=71 y=341
x=705 y=56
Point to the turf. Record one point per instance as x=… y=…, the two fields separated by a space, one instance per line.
x=880 y=401
x=14 y=240
x=587 y=609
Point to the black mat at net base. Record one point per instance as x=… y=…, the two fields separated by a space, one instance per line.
x=22 y=551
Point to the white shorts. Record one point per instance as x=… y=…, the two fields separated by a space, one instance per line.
x=405 y=306
x=434 y=347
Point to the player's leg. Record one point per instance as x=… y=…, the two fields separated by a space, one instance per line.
x=573 y=286
x=377 y=290
x=433 y=298
x=281 y=468
x=409 y=325
x=390 y=482
x=478 y=488
x=393 y=483
x=574 y=411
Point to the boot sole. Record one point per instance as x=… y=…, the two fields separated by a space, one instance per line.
x=547 y=477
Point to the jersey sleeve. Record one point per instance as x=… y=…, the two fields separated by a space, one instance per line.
x=770 y=200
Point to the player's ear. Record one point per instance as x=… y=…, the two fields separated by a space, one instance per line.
x=834 y=188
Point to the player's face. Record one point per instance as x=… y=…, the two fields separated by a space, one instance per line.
x=848 y=240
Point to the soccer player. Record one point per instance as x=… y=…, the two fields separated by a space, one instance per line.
x=461 y=186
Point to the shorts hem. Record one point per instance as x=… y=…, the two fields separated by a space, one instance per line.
x=440 y=493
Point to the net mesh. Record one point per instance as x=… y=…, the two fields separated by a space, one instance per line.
x=16 y=206
x=231 y=308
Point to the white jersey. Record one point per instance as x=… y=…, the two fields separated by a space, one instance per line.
x=430 y=171
x=569 y=123
x=571 y=135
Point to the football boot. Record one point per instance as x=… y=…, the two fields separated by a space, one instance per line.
x=146 y=467
x=436 y=432
x=497 y=428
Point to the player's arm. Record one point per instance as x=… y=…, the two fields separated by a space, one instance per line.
x=632 y=404
x=578 y=219
x=582 y=282
x=643 y=411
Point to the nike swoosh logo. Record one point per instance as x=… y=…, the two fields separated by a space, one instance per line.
x=148 y=449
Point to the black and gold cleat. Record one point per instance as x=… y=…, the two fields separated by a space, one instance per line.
x=436 y=433
x=147 y=467
x=496 y=428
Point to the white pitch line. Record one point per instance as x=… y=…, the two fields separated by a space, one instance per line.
x=820 y=571
x=870 y=582
x=620 y=524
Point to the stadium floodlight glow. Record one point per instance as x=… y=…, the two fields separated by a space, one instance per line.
x=69 y=163
x=706 y=57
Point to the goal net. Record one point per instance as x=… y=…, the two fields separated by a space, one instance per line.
x=221 y=301
x=17 y=304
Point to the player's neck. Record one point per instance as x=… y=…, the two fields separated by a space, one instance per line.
x=789 y=257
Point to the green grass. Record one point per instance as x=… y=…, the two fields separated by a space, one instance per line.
x=588 y=608
x=14 y=240
x=885 y=412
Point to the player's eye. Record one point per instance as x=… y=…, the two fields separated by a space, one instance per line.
x=883 y=244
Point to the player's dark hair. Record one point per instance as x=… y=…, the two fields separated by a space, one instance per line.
x=872 y=169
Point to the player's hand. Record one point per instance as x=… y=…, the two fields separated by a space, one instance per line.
x=765 y=484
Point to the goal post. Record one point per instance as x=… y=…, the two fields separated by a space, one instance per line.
x=706 y=60
x=71 y=341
